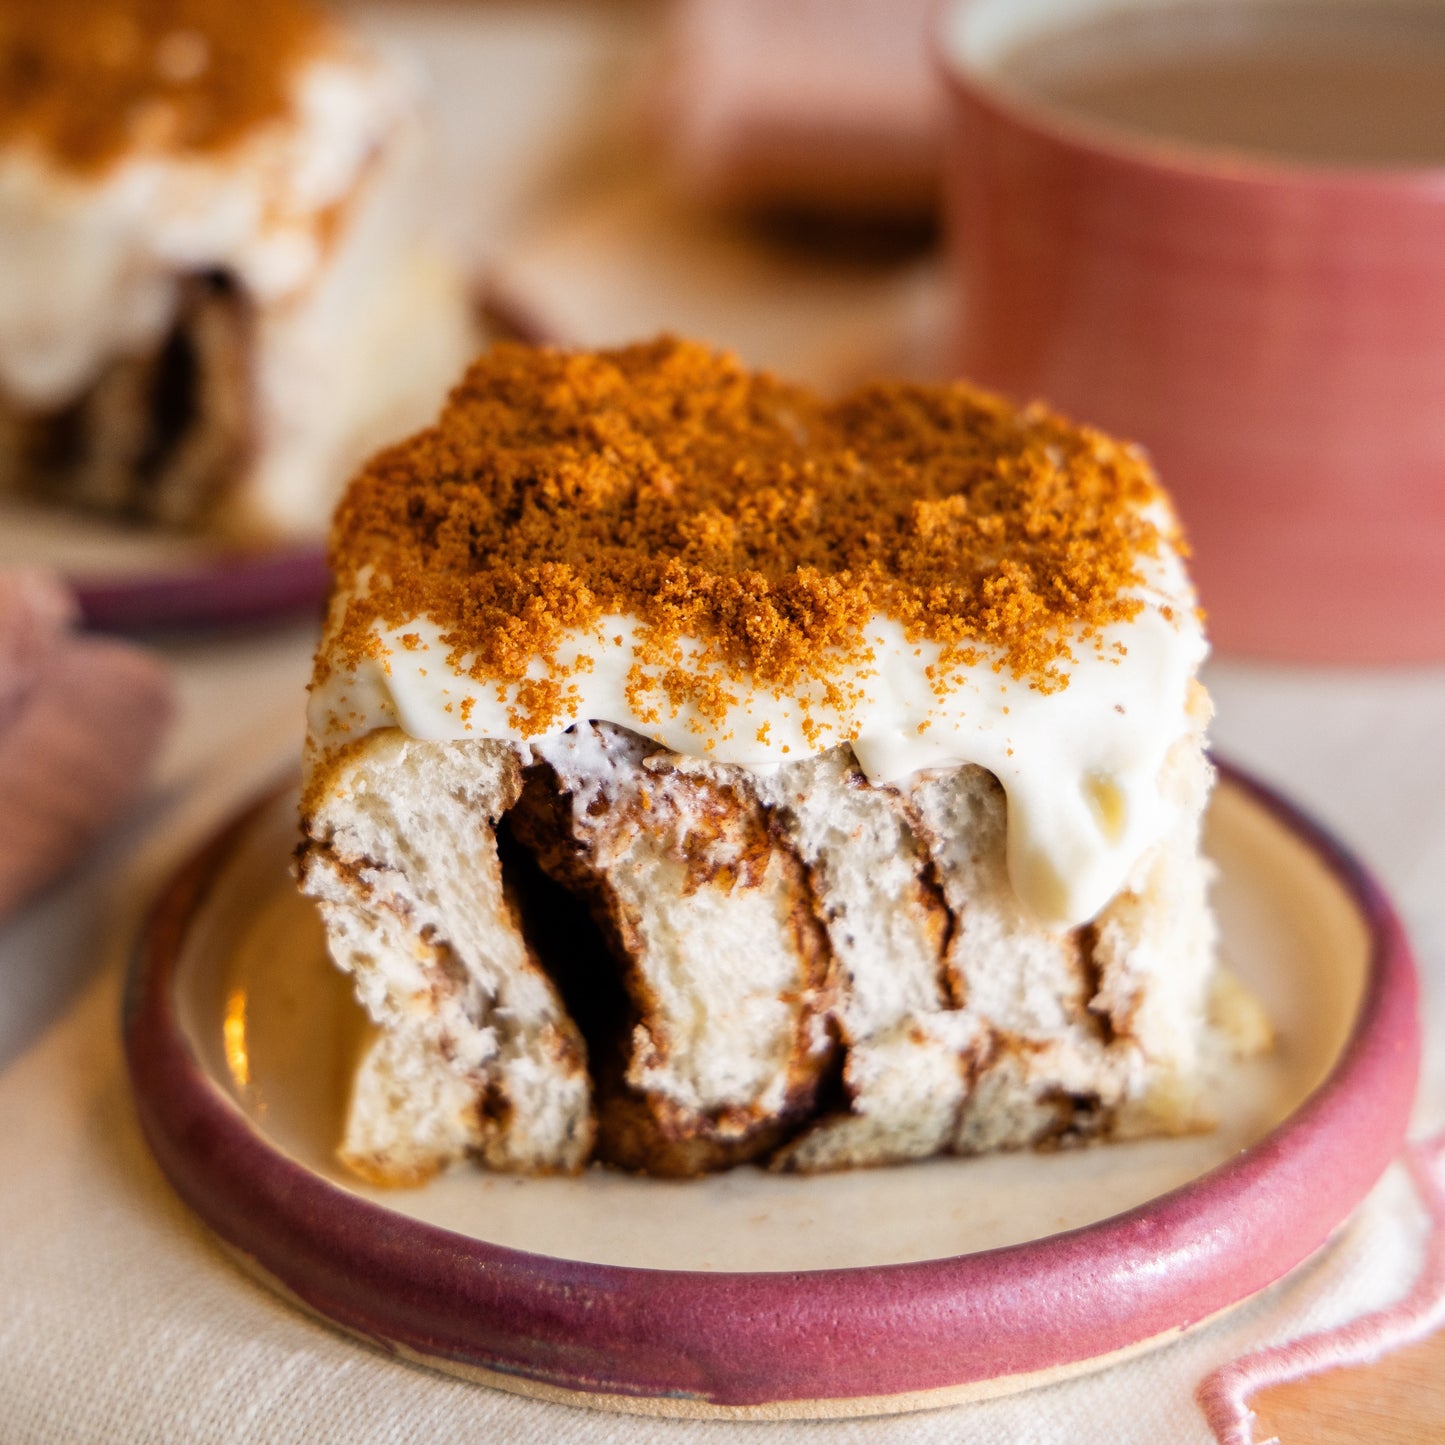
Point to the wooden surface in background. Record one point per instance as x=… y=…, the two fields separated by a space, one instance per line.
x=1399 y=1400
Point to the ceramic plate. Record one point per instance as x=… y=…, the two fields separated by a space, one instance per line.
x=750 y=1294
x=133 y=578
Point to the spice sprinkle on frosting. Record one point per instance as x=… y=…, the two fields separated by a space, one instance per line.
x=750 y=517
x=86 y=82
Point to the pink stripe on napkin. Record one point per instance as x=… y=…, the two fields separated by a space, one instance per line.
x=1224 y=1395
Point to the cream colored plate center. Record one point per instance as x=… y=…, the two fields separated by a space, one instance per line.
x=272 y=1023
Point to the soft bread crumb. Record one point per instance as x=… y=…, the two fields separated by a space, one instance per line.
x=1239 y=1016
x=821 y=973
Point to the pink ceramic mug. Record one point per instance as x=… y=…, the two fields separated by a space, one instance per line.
x=1274 y=334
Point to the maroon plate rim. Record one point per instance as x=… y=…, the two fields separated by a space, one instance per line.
x=672 y=1341
x=226 y=590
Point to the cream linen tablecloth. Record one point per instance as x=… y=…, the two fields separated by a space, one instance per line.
x=124 y=1322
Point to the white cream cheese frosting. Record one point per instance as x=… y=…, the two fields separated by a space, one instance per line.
x=1080 y=764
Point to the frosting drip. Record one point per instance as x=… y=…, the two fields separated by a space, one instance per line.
x=1080 y=764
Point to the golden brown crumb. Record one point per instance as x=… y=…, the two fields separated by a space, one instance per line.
x=767 y=525
x=87 y=80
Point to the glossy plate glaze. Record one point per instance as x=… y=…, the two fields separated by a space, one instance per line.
x=133 y=579
x=762 y=1296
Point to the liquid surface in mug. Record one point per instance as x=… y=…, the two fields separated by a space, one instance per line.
x=1317 y=83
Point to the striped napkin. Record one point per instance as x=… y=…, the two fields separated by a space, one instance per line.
x=81 y=719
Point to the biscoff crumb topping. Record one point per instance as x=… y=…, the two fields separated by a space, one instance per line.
x=87 y=81
x=747 y=518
